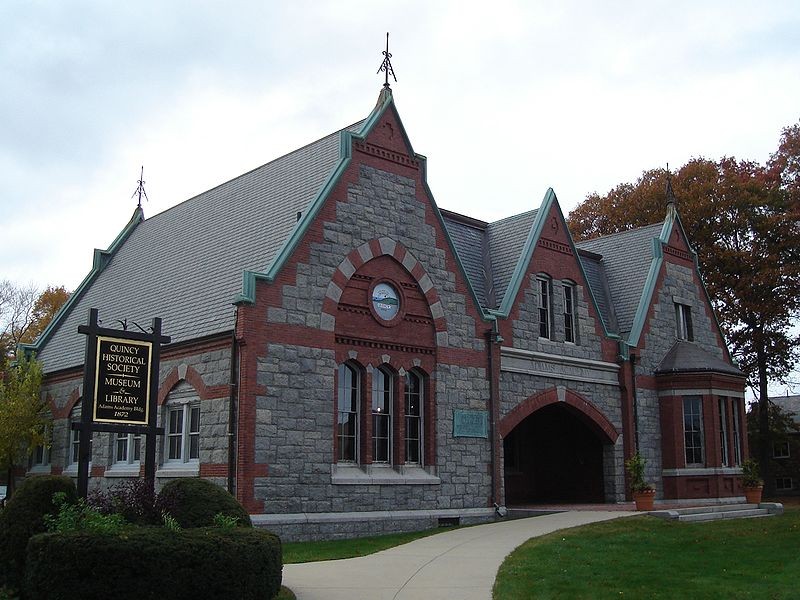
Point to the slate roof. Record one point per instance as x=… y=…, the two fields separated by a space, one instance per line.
x=196 y=251
x=469 y=238
x=789 y=404
x=598 y=281
x=506 y=240
x=687 y=357
x=626 y=258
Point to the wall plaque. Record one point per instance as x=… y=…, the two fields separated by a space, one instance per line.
x=471 y=423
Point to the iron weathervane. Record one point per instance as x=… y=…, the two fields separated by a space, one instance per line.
x=386 y=65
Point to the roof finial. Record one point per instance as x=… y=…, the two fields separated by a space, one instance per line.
x=140 y=188
x=386 y=65
x=670 y=194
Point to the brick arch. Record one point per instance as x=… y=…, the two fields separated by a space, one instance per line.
x=584 y=409
x=178 y=374
x=374 y=248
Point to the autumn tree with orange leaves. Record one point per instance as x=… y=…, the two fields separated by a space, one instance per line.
x=743 y=219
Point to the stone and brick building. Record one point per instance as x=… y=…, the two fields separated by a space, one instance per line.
x=348 y=357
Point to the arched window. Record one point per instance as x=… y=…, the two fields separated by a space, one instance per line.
x=414 y=398
x=182 y=426
x=382 y=401
x=347 y=400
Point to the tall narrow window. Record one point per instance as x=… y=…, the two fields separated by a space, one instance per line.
x=544 y=307
x=693 y=429
x=348 y=396
x=382 y=392
x=127 y=450
x=723 y=430
x=569 y=313
x=413 y=416
x=183 y=432
x=73 y=455
x=683 y=321
x=737 y=443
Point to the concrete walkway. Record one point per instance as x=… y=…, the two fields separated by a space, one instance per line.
x=456 y=565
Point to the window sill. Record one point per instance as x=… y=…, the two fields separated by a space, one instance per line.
x=383 y=475
x=701 y=471
x=191 y=469
x=39 y=470
x=126 y=470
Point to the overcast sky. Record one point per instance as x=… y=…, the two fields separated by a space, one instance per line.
x=505 y=99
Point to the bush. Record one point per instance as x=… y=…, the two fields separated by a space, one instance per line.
x=155 y=562
x=196 y=502
x=23 y=517
x=134 y=499
x=80 y=516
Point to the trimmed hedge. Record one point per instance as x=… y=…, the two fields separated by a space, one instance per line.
x=23 y=517
x=193 y=502
x=142 y=563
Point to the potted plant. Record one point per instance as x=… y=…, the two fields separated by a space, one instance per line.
x=751 y=481
x=644 y=494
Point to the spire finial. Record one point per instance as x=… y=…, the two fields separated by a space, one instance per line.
x=140 y=188
x=386 y=65
x=670 y=194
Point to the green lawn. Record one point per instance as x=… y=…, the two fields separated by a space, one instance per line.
x=645 y=557
x=300 y=552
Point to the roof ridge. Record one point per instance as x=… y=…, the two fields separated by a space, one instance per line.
x=254 y=169
x=618 y=233
x=527 y=212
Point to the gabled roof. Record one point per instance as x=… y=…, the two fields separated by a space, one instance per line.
x=507 y=239
x=789 y=404
x=627 y=258
x=687 y=357
x=196 y=250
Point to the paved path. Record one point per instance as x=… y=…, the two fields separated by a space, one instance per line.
x=455 y=565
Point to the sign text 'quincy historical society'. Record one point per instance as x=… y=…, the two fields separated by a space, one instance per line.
x=122 y=384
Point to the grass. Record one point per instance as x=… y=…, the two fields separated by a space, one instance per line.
x=644 y=557
x=300 y=552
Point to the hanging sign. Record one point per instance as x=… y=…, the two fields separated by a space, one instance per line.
x=122 y=381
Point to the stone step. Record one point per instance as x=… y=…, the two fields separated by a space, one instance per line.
x=716 y=512
x=730 y=514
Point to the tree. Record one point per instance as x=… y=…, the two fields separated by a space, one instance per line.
x=743 y=219
x=23 y=414
x=25 y=313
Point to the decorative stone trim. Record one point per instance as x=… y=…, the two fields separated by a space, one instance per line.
x=382 y=475
x=551 y=396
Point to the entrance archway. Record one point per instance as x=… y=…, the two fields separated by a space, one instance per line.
x=553 y=448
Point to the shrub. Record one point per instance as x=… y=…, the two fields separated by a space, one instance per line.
x=80 y=516
x=195 y=503
x=134 y=499
x=154 y=562
x=23 y=517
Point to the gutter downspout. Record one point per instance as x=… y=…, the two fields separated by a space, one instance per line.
x=233 y=384
x=493 y=338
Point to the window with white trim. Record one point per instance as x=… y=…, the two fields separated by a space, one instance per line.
x=737 y=442
x=382 y=403
x=181 y=427
x=127 y=448
x=569 y=313
x=780 y=450
x=73 y=450
x=414 y=398
x=693 y=429
x=545 y=314
x=783 y=483
x=348 y=399
x=723 y=430
x=683 y=322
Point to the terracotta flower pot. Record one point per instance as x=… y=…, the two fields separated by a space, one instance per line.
x=753 y=494
x=644 y=500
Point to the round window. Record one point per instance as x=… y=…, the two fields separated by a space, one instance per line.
x=385 y=301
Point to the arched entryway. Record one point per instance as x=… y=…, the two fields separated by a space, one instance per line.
x=553 y=450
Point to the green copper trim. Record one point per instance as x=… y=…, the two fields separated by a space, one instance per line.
x=101 y=259
x=517 y=279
